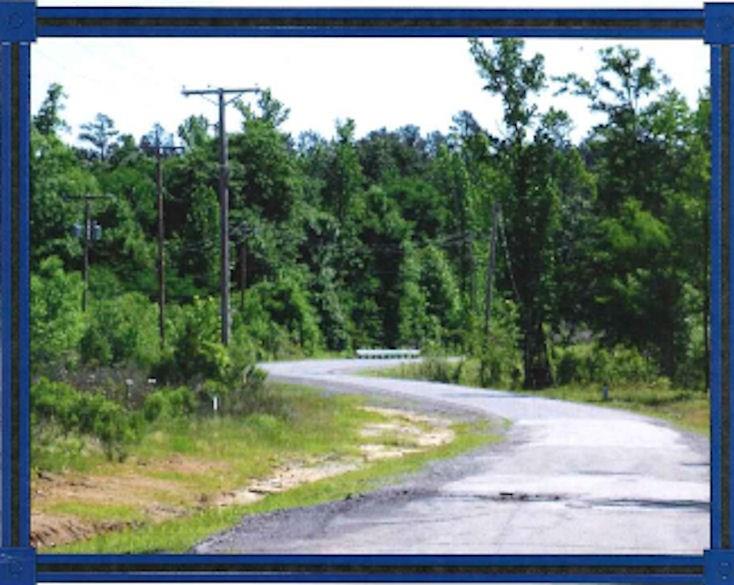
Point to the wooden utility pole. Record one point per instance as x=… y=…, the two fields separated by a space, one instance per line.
x=224 y=268
x=488 y=295
x=159 y=150
x=243 y=272
x=491 y=263
x=88 y=234
x=87 y=237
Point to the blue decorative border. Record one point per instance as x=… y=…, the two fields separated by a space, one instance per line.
x=21 y=21
x=366 y=22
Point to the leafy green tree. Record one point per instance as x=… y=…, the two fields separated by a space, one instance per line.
x=56 y=176
x=265 y=174
x=344 y=179
x=451 y=178
x=417 y=328
x=48 y=120
x=441 y=290
x=198 y=249
x=530 y=207
x=100 y=133
x=57 y=321
x=648 y=205
x=194 y=132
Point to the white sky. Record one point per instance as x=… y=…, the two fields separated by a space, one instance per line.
x=378 y=82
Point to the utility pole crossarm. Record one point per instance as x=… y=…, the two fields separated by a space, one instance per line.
x=209 y=91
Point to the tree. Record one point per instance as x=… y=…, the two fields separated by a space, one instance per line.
x=101 y=134
x=57 y=321
x=194 y=131
x=48 y=120
x=345 y=178
x=530 y=204
x=156 y=136
x=650 y=167
x=56 y=174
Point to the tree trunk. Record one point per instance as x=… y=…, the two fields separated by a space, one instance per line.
x=535 y=354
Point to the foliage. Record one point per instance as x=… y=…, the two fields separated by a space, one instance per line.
x=121 y=330
x=384 y=238
x=500 y=359
x=57 y=321
x=588 y=363
x=86 y=414
x=170 y=403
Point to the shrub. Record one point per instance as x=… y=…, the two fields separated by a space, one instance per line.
x=122 y=330
x=592 y=363
x=86 y=414
x=170 y=403
x=499 y=356
x=195 y=353
x=440 y=369
x=57 y=321
x=279 y=316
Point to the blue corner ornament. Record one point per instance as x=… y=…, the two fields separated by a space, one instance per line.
x=718 y=567
x=719 y=24
x=17 y=21
x=17 y=566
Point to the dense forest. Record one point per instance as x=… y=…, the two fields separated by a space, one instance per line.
x=545 y=260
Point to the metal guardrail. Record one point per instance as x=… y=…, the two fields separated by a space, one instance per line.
x=382 y=354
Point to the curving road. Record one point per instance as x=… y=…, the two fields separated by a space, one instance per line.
x=569 y=478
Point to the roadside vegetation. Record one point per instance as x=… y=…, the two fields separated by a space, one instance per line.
x=616 y=378
x=191 y=476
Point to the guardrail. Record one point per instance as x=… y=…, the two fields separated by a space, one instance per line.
x=382 y=354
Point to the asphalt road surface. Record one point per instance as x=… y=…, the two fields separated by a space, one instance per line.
x=568 y=478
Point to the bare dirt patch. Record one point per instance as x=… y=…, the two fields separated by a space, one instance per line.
x=158 y=490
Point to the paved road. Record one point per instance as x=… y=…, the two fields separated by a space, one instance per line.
x=569 y=478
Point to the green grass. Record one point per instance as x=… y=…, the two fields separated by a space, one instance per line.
x=181 y=534
x=54 y=451
x=191 y=460
x=687 y=409
x=98 y=512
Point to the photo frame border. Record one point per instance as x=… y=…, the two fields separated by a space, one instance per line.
x=22 y=22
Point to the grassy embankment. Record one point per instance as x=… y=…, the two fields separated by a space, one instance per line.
x=180 y=483
x=686 y=409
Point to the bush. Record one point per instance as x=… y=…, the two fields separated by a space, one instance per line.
x=279 y=317
x=170 y=403
x=86 y=414
x=592 y=363
x=499 y=357
x=197 y=356
x=252 y=398
x=57 y=321
x=123 y=330
x=440 y=369
x=195 y=353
